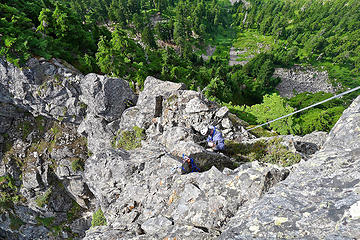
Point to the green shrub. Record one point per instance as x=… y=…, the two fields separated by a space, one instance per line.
x=74 y=212
x=26 y=128
x=241 y=113
x=98 y=219
x=262 y=132
x=271 y=151
x=46 y=222
x=129 y=140
x=9 y=194
x=15 y=222
x=77 y=165
x=320 y=118
x=276 y=153
x=274 y=106
x=44 y=198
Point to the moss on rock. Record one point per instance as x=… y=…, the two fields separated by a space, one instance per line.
x=98 y=218
x=43 y=199
x=129 y=139
x=271 y=151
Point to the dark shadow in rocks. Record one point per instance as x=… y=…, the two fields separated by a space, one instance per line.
x=273 y=177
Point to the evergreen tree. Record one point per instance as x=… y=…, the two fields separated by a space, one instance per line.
x=147 y=37
x=274 y=106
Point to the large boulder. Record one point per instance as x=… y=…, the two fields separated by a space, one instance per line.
x=150 y=103
x=106 y=99
x=320 y=199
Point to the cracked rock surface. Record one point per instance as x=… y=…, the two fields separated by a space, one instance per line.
x=60 y=162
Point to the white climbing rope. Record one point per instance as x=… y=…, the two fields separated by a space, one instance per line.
x=290 y=114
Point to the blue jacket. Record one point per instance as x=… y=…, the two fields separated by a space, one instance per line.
x=218 y=139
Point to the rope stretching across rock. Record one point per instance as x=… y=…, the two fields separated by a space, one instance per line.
x=306 y=108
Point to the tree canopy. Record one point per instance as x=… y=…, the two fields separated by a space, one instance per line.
x=168 y=39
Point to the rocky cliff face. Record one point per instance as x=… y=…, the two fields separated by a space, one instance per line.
x=299 y=79
x=118 y=152
x=45 y=108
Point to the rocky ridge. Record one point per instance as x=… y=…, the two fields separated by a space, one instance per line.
x=62 y=166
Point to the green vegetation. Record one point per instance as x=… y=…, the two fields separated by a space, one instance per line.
x=55 y=227
x=45 y=28
x=46 y=222
x=274 y=106
x=74 y=212
x=98 y=218
x=320 y=118
x=164 y=39
x=252 y=42
x=15 y=222
x=43 y=199
x=9 y=193
x=129 y=140
x=307 y=31
x=77 y=165
x=26 y=129
x=271 y=151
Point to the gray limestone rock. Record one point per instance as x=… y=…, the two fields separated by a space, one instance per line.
x=155 y=91
x=150 y=103
x=106 y=97
x=222 y=112
x=81 y=225
x=106 y=173
x=164 y=107
x=156 y=224
x=144 y=187
x=42 y=87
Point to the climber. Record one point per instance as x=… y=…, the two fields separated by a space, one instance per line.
x=188 y=165
x=215 y=139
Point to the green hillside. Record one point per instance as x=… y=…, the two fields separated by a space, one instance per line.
x=133 y=39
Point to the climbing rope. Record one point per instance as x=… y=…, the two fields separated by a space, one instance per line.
x=290 y=114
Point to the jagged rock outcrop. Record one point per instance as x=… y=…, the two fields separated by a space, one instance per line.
x=319 y=200
x=175 y=117
x=42 y=159
x=299 y=79
x=306 y=145
x=55 y=174
x=41 y=178
x=141 y=194
x=47 y=88
x=106 y=99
